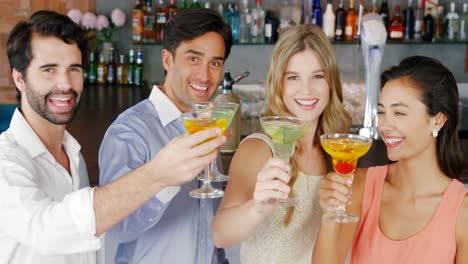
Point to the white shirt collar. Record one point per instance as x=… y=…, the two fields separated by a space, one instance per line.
x=166 y=109
x=30 y=141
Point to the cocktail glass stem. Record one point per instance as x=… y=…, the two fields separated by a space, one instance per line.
x=206 y=190
x=339 y=213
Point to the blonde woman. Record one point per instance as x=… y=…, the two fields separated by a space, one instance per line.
x=303 y=81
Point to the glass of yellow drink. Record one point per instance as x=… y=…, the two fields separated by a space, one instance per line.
x=205 y=116
x=345 y=150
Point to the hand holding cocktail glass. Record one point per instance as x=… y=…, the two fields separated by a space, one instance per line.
x=345 y=150
x=208 y=115
x=284 y=132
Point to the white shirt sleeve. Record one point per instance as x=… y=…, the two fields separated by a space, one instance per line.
x=29 y=216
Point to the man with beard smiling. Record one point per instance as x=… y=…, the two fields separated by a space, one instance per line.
x=47 y=214
x=166 y=228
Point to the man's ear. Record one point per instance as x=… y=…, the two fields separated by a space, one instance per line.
x=18 y=79
x=167 y=59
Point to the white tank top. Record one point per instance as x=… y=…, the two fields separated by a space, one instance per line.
x=273 y=242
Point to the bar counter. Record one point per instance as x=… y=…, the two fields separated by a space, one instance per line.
x=101 y=104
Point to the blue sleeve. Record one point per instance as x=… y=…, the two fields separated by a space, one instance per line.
x=123 y=149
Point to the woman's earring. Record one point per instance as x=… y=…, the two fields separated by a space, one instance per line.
x=435 y=132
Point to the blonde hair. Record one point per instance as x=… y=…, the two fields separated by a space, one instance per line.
x=334 y=118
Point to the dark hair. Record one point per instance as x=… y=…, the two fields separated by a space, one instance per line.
x=44 y=23
x=439 y=93
x=191 y=23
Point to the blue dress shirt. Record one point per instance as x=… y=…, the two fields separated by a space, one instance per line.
x=167 y=228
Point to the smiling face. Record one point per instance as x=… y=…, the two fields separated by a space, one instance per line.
x=305 y=88
x=54 y=80
x=195 y=70
x=404 y=124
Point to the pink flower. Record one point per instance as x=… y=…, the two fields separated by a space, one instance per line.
x=102 y=22
x=88 y=20
x=75 y=15
x=118 y=17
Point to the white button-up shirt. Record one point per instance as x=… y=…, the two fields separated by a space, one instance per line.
x=46 y=214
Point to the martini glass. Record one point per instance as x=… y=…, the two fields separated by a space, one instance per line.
x=284 y=132
x=208 y=115
x=345 y=150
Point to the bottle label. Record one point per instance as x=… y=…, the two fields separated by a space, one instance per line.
x=348 y=30
x=161 y=18
x=100 y=74
x=339 y=32
x=248 y=19
x=396 y=34
x=148 y=22
x=268 y=30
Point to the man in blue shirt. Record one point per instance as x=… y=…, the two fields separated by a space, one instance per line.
x=166 y=228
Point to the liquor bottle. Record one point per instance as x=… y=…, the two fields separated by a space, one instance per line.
x=350 y=22
x=245 y=22
x=428 y=34
x=92 y=69
x=171 y=10
x=439 y=18
x=340 y=22
x=139 y=70
x=131 y=68
x=329 y=19
x=231 y=16
x=271 y=27
x=409 y=21
x=384 y=13
x=374 y=8
x=464 y=22
x=418 y=21
x=396 y=31
x=195 y=4
x=122 y=71
x=183 y=5
x=452 y=21
x=111 y=68
x=149 y=33
x=137 y=22
x=258 y=20
x=317 y=16
x=101 y=70
x=227 y=95
x=161 y=16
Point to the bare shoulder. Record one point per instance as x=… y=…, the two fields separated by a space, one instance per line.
x=248 y=160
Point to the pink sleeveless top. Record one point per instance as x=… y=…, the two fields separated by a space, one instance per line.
x=435 y=244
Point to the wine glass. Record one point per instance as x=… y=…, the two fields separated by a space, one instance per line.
x=205 y=116
x=345 y=150
x=284 y=132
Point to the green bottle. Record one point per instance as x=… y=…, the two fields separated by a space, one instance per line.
x=131 y=68
x=183 y=4
x=195 y=3
x=139 y=69
x=92 y=69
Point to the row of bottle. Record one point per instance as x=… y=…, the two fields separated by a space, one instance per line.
x=113 y=72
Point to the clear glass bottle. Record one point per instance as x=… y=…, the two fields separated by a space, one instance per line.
x=452 y=21
x=464 y=23
x=258 y=23
x=245 y=22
